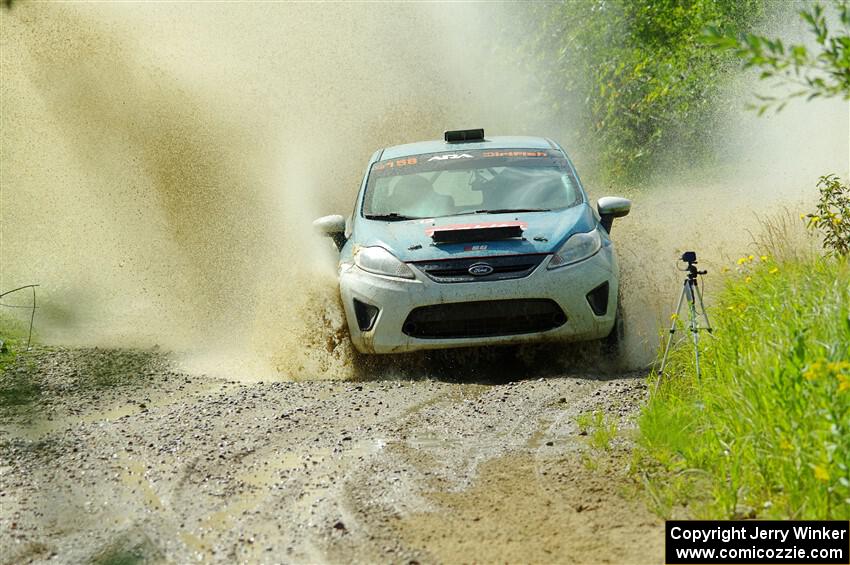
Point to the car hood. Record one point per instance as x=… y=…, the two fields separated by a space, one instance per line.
x=543 y=232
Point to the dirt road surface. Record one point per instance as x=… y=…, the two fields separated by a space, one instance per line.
x=118 y=457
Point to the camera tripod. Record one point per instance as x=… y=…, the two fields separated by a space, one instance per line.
x=691 y=292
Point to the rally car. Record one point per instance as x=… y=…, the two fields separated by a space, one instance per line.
x=476 y=241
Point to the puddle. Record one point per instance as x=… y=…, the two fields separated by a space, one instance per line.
x=539 y=434
x=432 y=441
x=269 y=473
x=30 y=432
x=133 y=476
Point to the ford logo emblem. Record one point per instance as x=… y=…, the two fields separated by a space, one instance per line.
x=480 y=269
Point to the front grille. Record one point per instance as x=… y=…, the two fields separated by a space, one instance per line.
x=504 y=267
x=486 y=318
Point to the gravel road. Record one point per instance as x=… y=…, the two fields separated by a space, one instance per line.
x=117 y=455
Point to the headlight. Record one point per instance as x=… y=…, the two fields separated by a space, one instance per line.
x=578 y=247
x=381 y=262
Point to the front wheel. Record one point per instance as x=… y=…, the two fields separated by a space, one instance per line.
x=613 y=343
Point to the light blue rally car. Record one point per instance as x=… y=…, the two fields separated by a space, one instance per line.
x=476 y=241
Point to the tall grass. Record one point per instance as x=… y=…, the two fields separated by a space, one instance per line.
x=767 y=432
x=14 y=336
x=17 y=388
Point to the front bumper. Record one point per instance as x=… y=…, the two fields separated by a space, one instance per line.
x=396 y=298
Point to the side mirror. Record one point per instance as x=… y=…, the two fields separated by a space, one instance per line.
x=332 y=226
x=610 y=207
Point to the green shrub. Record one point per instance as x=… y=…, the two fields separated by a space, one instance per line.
x=767 y=433
x=832 y=218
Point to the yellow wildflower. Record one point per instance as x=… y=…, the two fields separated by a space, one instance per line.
x=785 y=444
x=812 y=372
x=750 y=258
x=742 y=260
x=748 y=280
x=763 y=257
x=821 y=474
x=802 y=216
x=774 y=270
x=674 y=316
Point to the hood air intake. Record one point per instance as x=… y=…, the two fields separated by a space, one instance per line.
x=474 y=234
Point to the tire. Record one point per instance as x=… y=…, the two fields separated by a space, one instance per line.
x=613 y=343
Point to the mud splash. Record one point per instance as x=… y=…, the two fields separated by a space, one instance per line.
x=161 y=166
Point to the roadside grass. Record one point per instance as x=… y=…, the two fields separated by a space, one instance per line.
x=13 y=334
x=600 y=431
x=18 y=387
x=766 y=433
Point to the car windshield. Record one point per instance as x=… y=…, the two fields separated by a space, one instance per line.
x=469 y=182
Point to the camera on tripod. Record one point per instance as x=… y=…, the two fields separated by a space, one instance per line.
x=690 y=257
x=692 y=295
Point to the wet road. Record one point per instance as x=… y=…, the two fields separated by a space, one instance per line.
x=190 y=468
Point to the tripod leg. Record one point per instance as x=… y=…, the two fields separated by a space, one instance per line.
x=704 y=311
x=670 y=338
x=695 y=333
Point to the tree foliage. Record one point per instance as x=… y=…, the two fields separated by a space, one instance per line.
x=638 y=75
x=822 y=71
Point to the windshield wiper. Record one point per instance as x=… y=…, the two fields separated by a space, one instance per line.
x=499 y=211
x=510 y=210
x=391 y=217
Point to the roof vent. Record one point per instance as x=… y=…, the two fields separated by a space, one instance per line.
x=464 y=135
